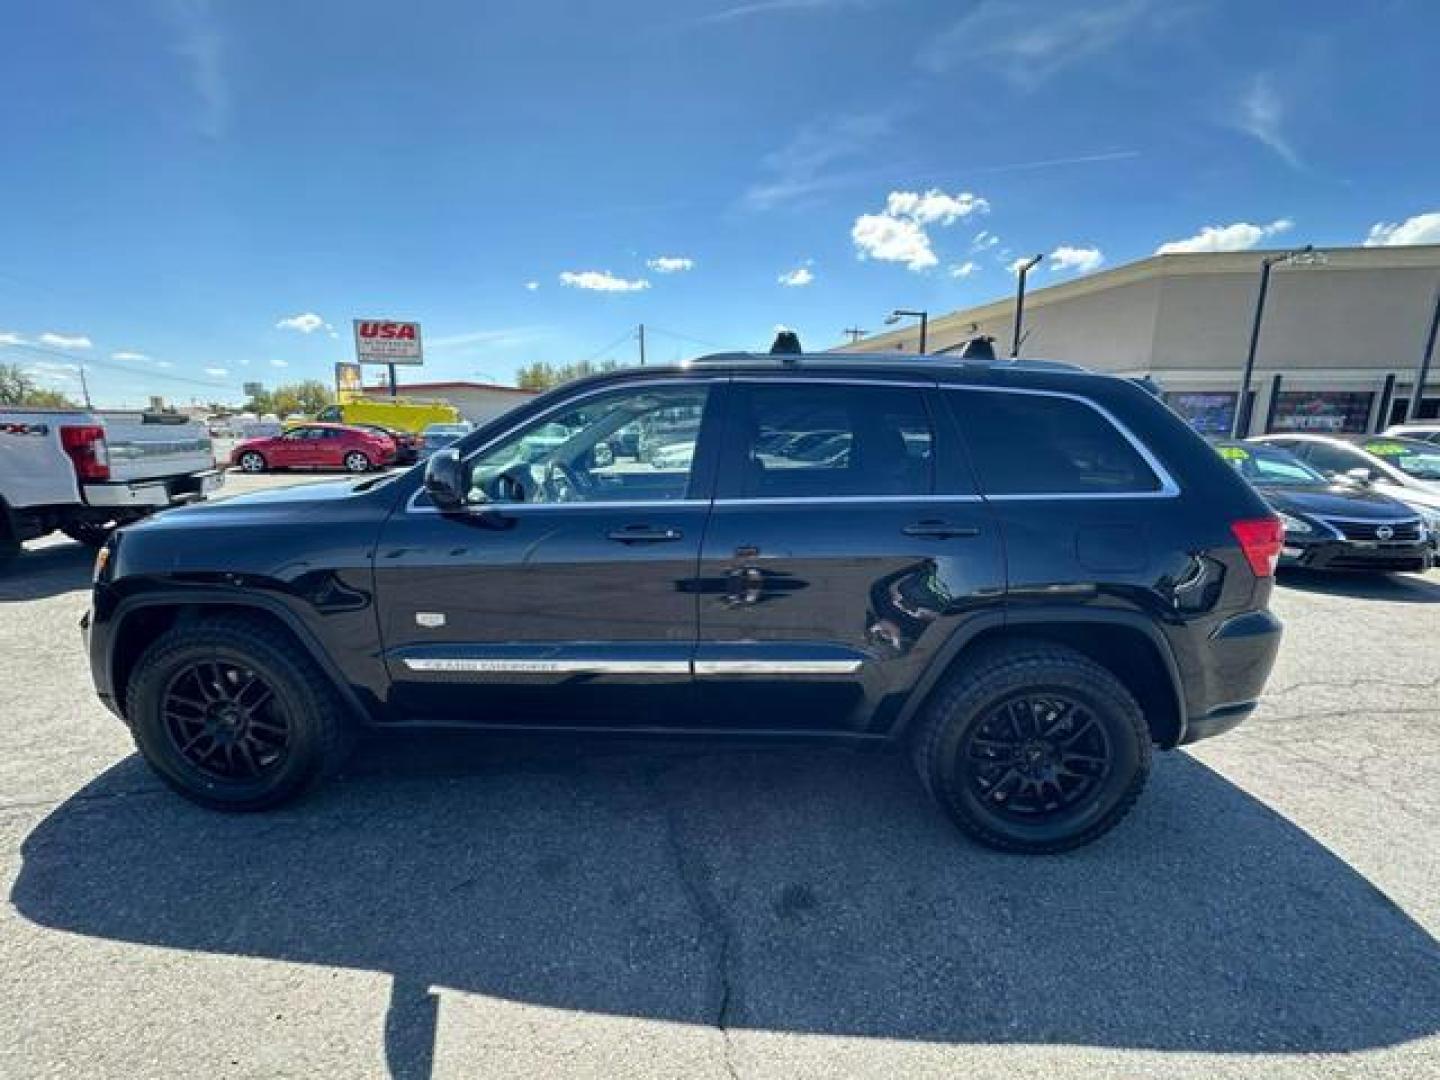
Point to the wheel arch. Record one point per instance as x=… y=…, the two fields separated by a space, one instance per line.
x=139 y=621
x=1129 y=646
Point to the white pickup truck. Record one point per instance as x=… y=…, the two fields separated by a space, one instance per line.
x=85 y=472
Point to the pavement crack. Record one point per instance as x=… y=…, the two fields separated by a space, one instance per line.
x=698 y=885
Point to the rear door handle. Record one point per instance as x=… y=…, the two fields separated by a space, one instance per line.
x=644 y=534
x=940 y=530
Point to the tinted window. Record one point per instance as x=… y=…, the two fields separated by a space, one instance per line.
x=1036 y=444
x=812 y=441
x=579 y=455
x=1331 y=459
x=1411 y=457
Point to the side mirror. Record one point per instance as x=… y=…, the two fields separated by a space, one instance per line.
x=445 y=480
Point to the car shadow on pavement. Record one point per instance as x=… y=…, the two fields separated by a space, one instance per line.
x=47 y=571
x=1396 y=588
x=795 y=890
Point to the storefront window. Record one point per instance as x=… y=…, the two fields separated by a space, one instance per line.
x=1207 y=413
x=1321 y=411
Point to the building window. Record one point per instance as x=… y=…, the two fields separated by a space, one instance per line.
x=1321 y=411
x=1208 y=413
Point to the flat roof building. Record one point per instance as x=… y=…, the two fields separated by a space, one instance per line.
x=477 y=402
x=1339 y=344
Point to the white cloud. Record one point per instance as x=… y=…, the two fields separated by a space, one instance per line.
x=964 y=269
x=889 y=239
x=934 y=206
x=307 y=322
x=65 y=341
x=126 y=355
x=1420 y=229
x=770 y=7
x=279 y=363
x=501 y=337
x=48 y=369
x=1014 y=267
x=601 y=281
x=216 y=371
x=202 y=47
x=532 y=286
x=1027 y=46
x=1080 y=259
x=1261 y=115
x=1239 y=236
x=9 y=338
x=670 y=264
x=897 y=234
x=163 y=364
x=984 y=241
x=332 y=335
x=804 y=165
x=798 y=278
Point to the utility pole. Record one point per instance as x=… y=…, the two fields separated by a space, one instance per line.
x=85 y=387
x=1413 y=412
x=394 y=390
x=641 y=336
x=855 y=333
x=1306 y=256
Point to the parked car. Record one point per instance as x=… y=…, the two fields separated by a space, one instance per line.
x=85 y=472
x=1331 y=525
x=1404 y=469
x=315 y=446
x=1050 y=576
x=407 y=445
x=1419 y=430
x=438 y=436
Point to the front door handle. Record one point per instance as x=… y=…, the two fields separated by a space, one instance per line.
x=940 y=530
x=644 y=534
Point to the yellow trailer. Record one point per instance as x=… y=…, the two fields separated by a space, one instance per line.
x=400 y=413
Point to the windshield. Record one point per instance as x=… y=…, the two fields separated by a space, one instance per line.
x=1269 y=465
x=1416 y=459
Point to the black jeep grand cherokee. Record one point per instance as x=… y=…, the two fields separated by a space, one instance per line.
x=1025 y=573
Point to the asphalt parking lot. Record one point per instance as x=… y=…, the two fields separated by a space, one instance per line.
x=469 y=907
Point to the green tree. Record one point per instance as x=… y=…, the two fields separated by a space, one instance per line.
x=17 y=387
x=307 y=397
x=542 y=376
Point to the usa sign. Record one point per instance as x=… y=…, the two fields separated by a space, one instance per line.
x=384 y=341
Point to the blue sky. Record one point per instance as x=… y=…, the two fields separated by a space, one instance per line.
x=197 y=194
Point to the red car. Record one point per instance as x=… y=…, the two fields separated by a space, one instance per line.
x=316 y=446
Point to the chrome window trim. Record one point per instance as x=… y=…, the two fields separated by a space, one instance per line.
x=777 y=667
x=1168 y=489
x=785 y=378
x=844 y=500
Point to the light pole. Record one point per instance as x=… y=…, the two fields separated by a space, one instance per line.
x=1413 y=412
x=1306 y=256
x=1023 y=270
x=901 y=313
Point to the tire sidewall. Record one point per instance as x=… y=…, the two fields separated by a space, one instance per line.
x=351 y=459
x=952 y=782
x=145 y=713
x=252 y=462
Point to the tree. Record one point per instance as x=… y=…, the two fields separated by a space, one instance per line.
x=542 y=376
x=308 y=397
x=17 y=387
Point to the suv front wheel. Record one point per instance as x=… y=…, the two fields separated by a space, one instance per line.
x=233 y=716
x=1033 y=748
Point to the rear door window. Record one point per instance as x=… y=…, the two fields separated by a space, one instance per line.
x=1034 y=444
x=811 y=440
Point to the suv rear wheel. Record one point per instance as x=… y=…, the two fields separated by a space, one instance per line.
x=231 y=715
x=1035 y=748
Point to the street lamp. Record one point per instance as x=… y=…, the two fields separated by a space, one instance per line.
x=900 y=313
x=1306 y=256
x=1023 y=270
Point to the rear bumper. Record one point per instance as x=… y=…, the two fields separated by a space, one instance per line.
x=153 y=494
x=1350 y=555
x=1217 y=721
x=1236 y=662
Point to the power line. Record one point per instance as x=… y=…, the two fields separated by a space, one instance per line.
x=653 y=329
x=107 y=365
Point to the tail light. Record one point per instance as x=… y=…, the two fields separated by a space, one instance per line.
x=85 y=443
x=1260 y=540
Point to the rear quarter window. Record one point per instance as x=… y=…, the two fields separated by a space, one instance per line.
x=1043 y=444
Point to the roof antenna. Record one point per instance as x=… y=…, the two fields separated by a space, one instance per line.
x=979 y=347
x=787 y=343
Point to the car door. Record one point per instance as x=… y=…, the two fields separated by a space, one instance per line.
x=562 y=594
x=288 y=449
x=846 y=543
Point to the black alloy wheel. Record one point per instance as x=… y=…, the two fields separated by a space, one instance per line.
x=225 y=721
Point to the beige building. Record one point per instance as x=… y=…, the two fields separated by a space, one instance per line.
x=1339 y=344
x=477 y=402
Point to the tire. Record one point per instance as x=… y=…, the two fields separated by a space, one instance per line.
x=982 y=751
x=356 y=462
x=252 y=461
x=181 y=663
x=90 y=533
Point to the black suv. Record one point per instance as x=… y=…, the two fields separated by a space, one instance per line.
x=1026 y=573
